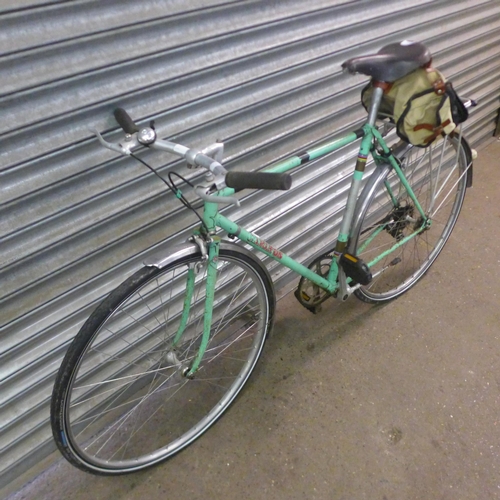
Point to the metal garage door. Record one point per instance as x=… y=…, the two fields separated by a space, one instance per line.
x=263 y=75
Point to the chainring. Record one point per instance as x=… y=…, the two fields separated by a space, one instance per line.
x=310 y=295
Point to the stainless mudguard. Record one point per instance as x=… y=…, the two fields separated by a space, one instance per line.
x=364 y=201
x=171 y=254
x=188 y=248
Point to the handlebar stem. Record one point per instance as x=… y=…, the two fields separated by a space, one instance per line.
x=201 y=191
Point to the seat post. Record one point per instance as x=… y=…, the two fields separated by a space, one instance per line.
x=377 y=94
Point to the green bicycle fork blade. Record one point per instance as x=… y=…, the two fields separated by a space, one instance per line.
x=186 y=306
x=213 y=252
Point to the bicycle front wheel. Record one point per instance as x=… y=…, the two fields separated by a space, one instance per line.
x=438 y=177
x=123 y=399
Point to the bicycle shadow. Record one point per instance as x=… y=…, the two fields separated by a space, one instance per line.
x=300 y=336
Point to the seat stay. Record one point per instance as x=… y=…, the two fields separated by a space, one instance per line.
x=395 y=165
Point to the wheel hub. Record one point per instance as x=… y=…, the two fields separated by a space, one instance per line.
x=173 y=360
x=400 y=218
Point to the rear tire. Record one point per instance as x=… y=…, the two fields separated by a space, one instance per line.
x=122 y=400
x=438 y=177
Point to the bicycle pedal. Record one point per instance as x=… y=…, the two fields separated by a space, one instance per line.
x=355 y=268
x=303 y=298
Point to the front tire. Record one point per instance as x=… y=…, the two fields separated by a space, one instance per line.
x=122 y=399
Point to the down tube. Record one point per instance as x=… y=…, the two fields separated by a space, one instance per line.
x=274 y=253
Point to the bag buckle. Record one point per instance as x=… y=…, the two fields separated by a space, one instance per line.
x=439 y=87
x=436 y=131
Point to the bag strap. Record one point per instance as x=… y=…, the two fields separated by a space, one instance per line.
x=436 y=131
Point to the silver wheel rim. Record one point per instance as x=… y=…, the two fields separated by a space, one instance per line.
x=441 y=191
x=241 y=316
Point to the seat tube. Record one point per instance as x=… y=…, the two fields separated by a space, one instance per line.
x=364 y=151
x=354 y=190
x=378 y=92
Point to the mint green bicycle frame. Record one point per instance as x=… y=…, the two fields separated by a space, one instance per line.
x=370 y=136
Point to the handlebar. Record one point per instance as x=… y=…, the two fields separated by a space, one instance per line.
x=126 y=123
x=146 y=136
x=258 y=180
x=469 y=103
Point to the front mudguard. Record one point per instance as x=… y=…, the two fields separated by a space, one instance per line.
x=175 y=252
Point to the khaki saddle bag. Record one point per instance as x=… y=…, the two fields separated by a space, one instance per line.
x=422 y=104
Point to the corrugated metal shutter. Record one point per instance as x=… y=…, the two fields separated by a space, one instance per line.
x=263 y=75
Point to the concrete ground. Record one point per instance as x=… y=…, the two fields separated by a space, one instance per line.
x=359 y=402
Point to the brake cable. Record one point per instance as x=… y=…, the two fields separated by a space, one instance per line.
x=175 y=190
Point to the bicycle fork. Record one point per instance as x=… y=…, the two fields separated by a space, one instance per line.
x=210 y=253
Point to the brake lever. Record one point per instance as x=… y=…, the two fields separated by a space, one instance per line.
x=109 y=145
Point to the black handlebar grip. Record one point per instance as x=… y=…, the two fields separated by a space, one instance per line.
x=258 y=180
x=125 y=122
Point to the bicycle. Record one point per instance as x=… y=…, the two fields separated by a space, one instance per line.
x=166 y=353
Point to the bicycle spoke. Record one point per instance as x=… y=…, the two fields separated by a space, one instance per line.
x=130 y=377
x=437 y=176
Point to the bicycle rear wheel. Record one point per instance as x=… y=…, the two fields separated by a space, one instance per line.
x=438 y=177
x=122 y=400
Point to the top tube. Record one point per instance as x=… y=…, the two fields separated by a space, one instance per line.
x=305 y=156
